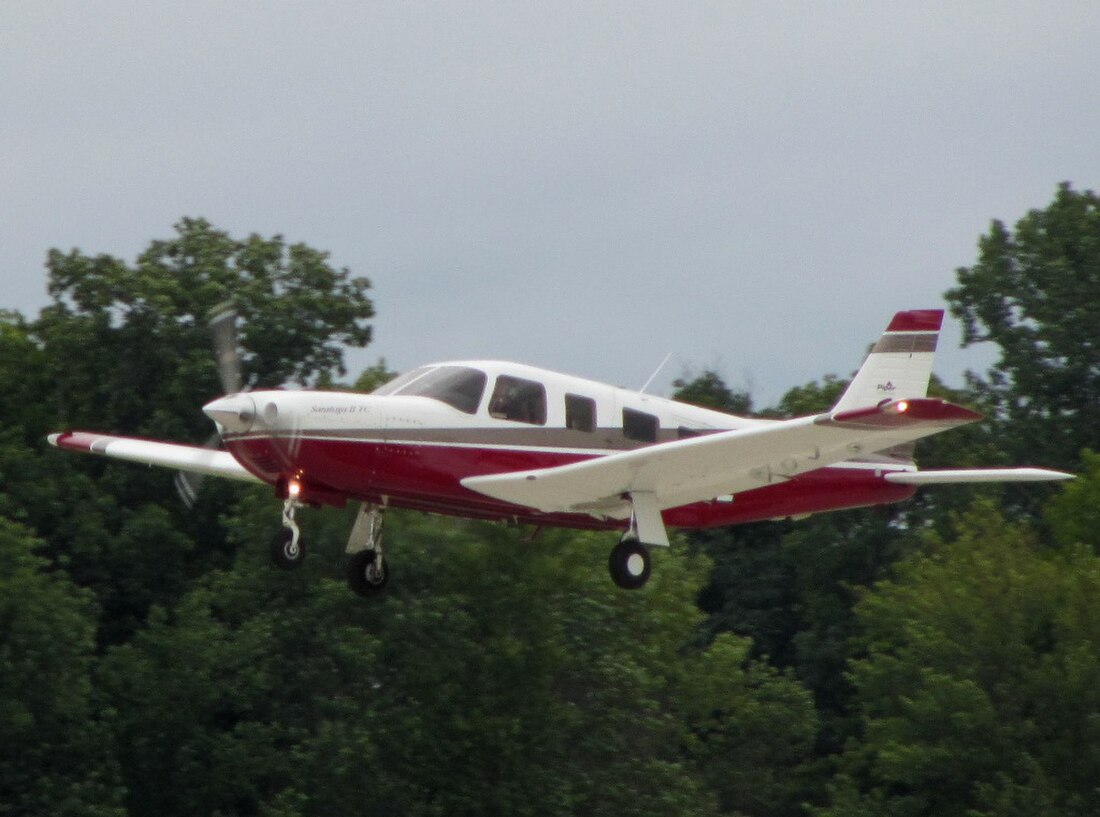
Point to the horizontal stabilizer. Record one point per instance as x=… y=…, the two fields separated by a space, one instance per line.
x=152 y=452
x=962 y=476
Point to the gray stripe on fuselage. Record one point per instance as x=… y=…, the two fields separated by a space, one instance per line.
x=602 y=441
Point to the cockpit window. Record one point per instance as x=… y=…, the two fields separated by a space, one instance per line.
x=457 y=386
x=401 y=380
x=517 y=399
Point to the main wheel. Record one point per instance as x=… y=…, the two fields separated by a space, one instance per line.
x=629 y=564
x=285 y=552
x=365 y=576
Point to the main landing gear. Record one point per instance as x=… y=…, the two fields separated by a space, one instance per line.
x=368 y=572
x=629 y=563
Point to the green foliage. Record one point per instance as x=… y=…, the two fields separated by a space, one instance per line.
x=709 y=390
x=1073 y=516
x=54 y=756
x=373 y=377
x=140 y=331
x=1035 y=292
x=790 y=587
x=497 y=677
x=812 y=398
x=752 y=729
x=126 y=348
x=979 y=689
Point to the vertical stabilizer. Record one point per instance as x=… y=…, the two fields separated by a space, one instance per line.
x=900 y=364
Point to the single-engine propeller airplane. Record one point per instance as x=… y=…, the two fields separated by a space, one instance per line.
x=508 y=442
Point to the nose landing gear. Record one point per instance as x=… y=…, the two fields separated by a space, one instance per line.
x=288 y=550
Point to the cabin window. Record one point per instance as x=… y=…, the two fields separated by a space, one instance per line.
x=637 y=425
x=523 y=401
x=457 y=386
x=580 y=413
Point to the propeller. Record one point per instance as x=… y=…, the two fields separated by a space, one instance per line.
x=222 y=321
x=235 y=411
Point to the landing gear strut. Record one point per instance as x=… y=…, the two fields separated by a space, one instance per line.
x=288 y=550
x=368 y=572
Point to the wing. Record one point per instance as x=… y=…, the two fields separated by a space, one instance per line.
x=701 y=468
x=151 y=452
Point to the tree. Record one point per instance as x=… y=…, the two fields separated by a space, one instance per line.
x=811 y=398
x=751 y=730
x=127 y=348
x=517 y=679
x=55 y=756
x=140 y=331
x=1035 y=293
x=373 y=377
x=709 y=390
x=978 y=688
x=498 y=676
x=1073 y=515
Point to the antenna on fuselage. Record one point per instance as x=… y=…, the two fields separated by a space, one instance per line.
x=656 y=372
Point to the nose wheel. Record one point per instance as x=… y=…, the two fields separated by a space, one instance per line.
x=288 y=550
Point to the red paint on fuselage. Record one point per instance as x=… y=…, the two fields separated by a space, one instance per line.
x=427 y=477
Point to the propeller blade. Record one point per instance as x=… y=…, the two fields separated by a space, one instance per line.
x=223 y=327
x=187 y=486
x=188 y=482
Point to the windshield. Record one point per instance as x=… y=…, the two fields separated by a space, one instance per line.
x=401 y=380
x=457 y=386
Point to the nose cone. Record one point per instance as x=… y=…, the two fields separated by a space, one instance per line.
x=234 y=414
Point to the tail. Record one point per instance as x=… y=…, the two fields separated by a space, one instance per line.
x=900 y=364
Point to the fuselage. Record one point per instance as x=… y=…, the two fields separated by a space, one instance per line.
x=412 y=442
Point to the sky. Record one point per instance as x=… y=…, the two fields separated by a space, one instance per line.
x=753 y=188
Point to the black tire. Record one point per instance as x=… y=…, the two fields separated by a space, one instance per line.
x=364 y=578
x=629 y=564
x=285 y=554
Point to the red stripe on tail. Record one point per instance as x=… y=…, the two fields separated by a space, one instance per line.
x=917 y=320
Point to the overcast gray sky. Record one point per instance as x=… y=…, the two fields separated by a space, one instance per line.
x=754 y=187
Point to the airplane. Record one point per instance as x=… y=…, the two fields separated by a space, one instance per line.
x=502 y=441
